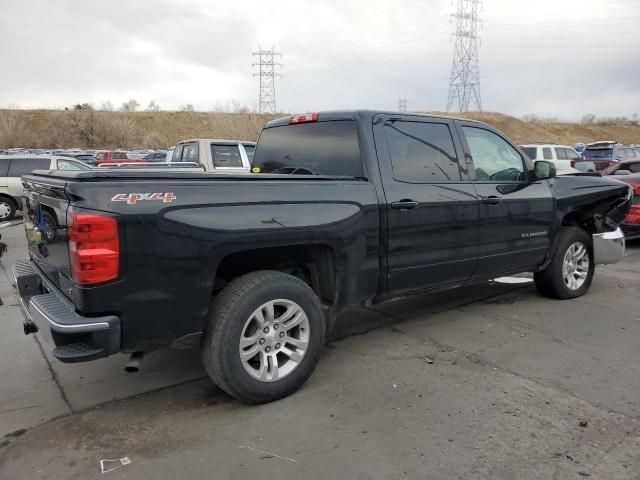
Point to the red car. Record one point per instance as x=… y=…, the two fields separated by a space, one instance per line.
x=631 y=223
x=116 y=156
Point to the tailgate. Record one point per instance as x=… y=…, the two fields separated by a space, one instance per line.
x=46 y=229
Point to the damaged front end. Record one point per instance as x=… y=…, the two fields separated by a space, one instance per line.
x=597 y=205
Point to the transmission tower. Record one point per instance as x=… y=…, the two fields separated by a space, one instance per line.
x=402 y=104
x=464 y=85
x=266 y=63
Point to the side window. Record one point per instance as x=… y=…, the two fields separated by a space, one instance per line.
x=546 y=153
x=4 y=167
x=177 y=153
x=100 y=156
x=226 y=156
x=494 y=159
x=119 y=156
x=70 y=165
x=190 y=153
x=24 y=166
x=561 y=154
x=571 y=154
x=422 y=152
x=532 y=152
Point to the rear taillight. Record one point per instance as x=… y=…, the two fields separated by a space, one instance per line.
x=304 y=118
x=636 y=188
x=94 y=247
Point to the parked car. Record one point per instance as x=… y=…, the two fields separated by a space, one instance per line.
x=160 y=156
x=115 y=156
x=593 y=166
x=609 y=150
x=228 y=156
x=624 y=168
x=12 y=167
x=257 y=266
x=631 y=223
x=561 y=155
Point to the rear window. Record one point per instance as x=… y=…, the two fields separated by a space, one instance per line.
x=23 y=166
x=592 y=153
x=531 y=152
x=119 y=156
x=226 y=156
x=319 y=148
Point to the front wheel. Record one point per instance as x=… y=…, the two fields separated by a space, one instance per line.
x=263 y=337
x=7 y=209
x=570 y=272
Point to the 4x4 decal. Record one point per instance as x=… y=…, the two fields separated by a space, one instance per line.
x=132 y=198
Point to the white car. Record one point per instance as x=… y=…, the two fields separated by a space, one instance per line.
x=12 y=167
x=560 y=155
x=227 y=156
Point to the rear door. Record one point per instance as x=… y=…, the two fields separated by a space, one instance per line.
x=4 y=171
x=431 y=207
x=516 y=214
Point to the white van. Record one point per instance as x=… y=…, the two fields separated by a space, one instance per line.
x=228 y=156
x=12 y=167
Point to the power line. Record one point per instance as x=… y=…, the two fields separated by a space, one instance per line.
x=464 y=84
x=402 y=104
x=267 y=74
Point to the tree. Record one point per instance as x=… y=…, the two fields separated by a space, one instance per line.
x=130 y=106
x=107 y=106
x=588 y=118
x=187 y=107
x=153 y=106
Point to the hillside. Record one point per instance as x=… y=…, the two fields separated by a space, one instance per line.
x=98 y=129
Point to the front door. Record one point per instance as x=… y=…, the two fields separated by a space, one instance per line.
x=431 y=207
x=516 y=214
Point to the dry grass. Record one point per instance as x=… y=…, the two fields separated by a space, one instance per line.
x=97 y=129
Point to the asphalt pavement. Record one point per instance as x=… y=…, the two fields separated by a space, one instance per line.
x=489 y=382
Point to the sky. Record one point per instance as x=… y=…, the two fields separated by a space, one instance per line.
x=552 y=58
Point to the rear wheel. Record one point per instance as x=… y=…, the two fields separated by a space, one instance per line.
x=263 y=337
x=7 y=209
x=571 y=269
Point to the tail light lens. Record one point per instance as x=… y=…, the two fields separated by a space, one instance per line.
x=304 y=118
x=94 y=247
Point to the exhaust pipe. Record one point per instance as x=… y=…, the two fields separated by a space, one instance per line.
x=133 y=365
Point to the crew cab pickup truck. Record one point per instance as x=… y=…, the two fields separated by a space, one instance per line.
x=256 y=267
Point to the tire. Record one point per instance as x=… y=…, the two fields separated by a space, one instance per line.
x=7 y=209
x=241 y=312
x=50 y=226
x=556 y=281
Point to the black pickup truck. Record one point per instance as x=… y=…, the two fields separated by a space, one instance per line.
x=256 y=267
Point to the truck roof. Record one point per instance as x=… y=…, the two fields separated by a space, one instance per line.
x=331 y=115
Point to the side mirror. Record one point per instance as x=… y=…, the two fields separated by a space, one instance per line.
x=622 y=172
x=543 y=170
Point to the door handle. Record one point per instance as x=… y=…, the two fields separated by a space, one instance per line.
x=491 y=200
x=404 y=204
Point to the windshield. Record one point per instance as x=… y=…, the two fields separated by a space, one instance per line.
x=318 y=148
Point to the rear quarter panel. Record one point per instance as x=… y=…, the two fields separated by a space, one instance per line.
x=172 y=250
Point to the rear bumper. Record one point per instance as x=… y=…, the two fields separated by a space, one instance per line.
x=76 y=338
x=608 y=247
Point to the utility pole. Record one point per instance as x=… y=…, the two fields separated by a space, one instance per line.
x=402 y=104
x=464 y=84
x=266 y=63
